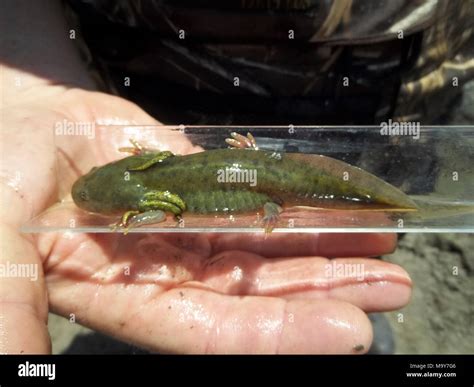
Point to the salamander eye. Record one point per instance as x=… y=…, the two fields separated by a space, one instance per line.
x=84 y=196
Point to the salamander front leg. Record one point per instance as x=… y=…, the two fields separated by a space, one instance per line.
x=162 y=200
x=136 y=148
x=271 y=215
x=124 y=220
x=152 y=209
x=135 y=219
x=157 y=158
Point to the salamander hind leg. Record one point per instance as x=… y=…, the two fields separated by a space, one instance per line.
x=242 y=142
x=271 y=215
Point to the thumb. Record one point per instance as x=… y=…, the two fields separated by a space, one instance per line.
x=105 y=109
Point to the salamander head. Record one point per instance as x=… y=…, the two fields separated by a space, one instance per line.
x=105 y=190
x=87 y=191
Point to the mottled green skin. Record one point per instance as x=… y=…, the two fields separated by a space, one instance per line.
x=110 y=189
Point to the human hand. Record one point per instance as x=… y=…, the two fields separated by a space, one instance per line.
x=174 y=293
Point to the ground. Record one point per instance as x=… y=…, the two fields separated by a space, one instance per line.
x=440 y=316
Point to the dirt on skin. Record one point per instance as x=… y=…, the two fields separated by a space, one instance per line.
x=440 y=316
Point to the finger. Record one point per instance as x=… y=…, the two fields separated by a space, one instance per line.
x=23 y=297
x=370 y=284
x=190 y=320
x=143 y=259
x=306 y=244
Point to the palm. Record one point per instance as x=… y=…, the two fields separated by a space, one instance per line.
x=196 y=292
